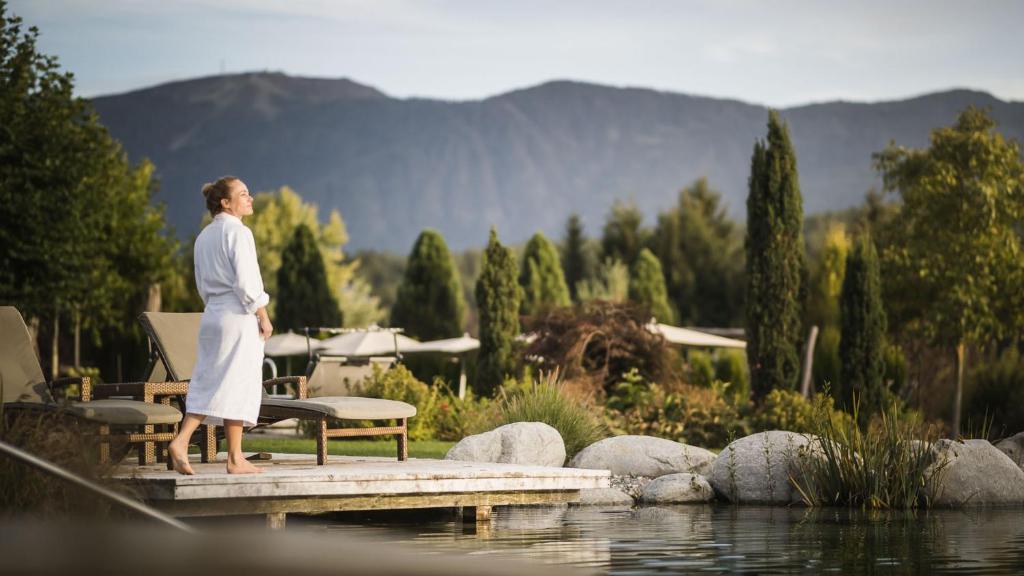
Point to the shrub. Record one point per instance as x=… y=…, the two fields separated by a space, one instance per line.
x=398 y=383
x=460 y=417
x=997 y=394
x=700 y=369
x=600 y=341
x=788 y=410
x=543 y=400
x=732 y=370
x=690 y=414
x=890 y=466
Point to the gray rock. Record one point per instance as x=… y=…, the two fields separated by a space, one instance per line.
x=974 y=473
x=756 y=469
x=643 y=456
x=604 y=497
x=677 y=489
x=532 y=443
x=632 y=485
x=1014 y=448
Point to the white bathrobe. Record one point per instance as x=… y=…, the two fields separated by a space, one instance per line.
x=227 y=378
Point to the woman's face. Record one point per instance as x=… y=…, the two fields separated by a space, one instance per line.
x=240 y=203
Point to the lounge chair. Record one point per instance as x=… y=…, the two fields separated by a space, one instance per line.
x=25 y=389
x=175 y=336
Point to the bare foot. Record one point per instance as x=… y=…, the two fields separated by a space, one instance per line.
x=179 y=459
x=242 y=466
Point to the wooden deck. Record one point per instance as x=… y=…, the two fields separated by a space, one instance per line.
x=293 y=483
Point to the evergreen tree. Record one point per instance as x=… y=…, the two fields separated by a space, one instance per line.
x=576 y=262
x=701 y=254
x=429 y=303
x=541 y=277
x=304 y=297
x=862 y=337
x=623 y=238
x=497 y=298
x=647 y=287
x=775 y=263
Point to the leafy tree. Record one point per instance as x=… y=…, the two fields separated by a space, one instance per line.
x=701 y=254
x=623 y=238
x=429 y=302
x=647 y=287
x=576 y=259
x=541 y=277
x=956 y=261
x=275 y=217
x=775 y=262
x=862 y=337
x=79 y=237
x=827 y=273
x=497 y=299
x=304 y=298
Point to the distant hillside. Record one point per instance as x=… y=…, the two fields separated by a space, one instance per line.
x=522 y=161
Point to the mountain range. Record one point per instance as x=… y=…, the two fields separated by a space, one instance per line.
x=522 y=161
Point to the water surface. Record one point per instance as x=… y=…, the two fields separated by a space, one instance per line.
x=717 y=539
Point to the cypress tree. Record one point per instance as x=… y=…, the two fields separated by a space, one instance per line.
x=497 y=298
x=541 y=277
x=647 y=287
x=862 y=318
x=429 y=303
x=775 y=262
x=575 y=263
x=304 y=297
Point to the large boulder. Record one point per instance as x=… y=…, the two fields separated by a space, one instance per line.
x=974 y=473
x=756 y=469
x=643 y=456
x=533 y=443
x=677 y=489
x=604 y=497
x=1014 y=448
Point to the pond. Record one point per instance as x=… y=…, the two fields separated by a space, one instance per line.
x=717 y=539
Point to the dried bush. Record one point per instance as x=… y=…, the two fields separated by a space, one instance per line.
x=598 y=342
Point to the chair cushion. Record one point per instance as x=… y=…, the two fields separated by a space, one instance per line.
x=124 y=412
x=348 y=407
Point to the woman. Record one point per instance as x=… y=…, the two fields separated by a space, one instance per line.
x=226 y=385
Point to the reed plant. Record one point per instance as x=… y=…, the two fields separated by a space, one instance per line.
x=66 y=442
x=888 y=465
x=543 y=399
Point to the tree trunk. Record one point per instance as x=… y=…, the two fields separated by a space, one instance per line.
x=153 y=298
x=961 y=359
x=78 y=338
x=805 y=381
x=55 y=349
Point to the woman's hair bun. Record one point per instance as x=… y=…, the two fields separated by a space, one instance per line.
x=214 y=192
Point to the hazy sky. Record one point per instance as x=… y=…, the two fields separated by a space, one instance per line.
x=778 y=53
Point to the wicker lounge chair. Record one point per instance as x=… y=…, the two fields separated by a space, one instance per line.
x=174 y=337
x=25 y=389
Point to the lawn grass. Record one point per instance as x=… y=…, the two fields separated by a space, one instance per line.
x=420 y=449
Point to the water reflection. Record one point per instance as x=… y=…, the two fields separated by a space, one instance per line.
x=722 y=539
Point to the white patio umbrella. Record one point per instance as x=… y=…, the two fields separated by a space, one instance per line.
x=459 y=345
x=689 y=337
x=288 y=344
x=371 y=342
x=454 y=346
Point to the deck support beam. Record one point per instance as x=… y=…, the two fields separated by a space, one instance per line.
x=276 y=520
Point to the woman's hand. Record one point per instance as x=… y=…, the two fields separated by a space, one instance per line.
x=266 y=328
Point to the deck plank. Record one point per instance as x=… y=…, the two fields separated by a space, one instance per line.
x=295 y=484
